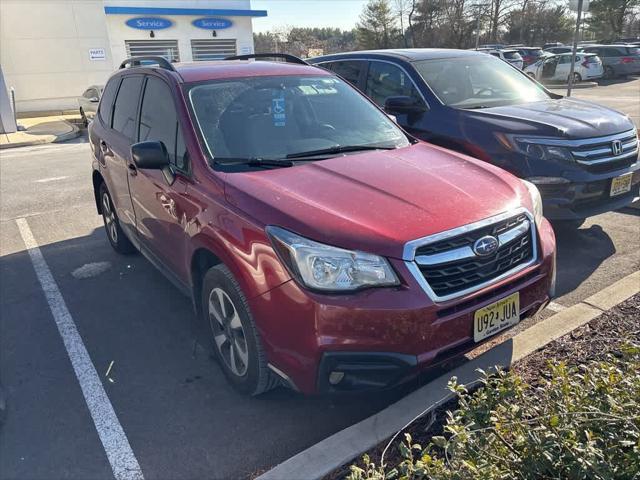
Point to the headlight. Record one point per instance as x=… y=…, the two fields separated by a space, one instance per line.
x=327 y=268
x=536 y=200
x=537 y=148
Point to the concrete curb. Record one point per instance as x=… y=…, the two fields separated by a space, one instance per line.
x=342 y=447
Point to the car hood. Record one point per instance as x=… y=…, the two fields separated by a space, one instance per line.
x=567 y=118
x=377 y=201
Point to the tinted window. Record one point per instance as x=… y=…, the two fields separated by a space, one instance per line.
x=632 y=50
x=126 y=106
x=350 y=71
x=385 y=80
x=159 y=120
x=612 y=52
x=272 y=117
x=106 y=103
x=512 y=56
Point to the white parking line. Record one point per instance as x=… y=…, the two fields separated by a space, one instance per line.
x=116 y=445
x=50 y=179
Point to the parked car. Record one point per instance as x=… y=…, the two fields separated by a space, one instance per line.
x=88 y=102
x=582 y=156
x=618 y=60
x=530 y=55
x=510 y=56
x=323 y=247
x=557 y=68
x=547 y=46
x=559 y=50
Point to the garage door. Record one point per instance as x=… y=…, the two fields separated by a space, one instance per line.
x=159 y=48
x=214 y=49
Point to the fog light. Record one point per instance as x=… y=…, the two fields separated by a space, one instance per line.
x=335 y=377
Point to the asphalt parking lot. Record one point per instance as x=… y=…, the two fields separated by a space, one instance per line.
x=179 y=415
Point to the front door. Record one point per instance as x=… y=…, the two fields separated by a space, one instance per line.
x=159 y=207
x=386 y=80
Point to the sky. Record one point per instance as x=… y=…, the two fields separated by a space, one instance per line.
x=341 y=14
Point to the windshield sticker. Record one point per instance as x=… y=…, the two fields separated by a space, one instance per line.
x=278 y=109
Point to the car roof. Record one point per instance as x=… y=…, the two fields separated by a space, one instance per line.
x=407 y=54
x=189 y=72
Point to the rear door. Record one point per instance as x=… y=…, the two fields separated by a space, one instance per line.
x=159 y=207
x=563 y=69
x=116 y=149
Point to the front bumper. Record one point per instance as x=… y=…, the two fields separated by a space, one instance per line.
x=582 y=199
x=380 y=337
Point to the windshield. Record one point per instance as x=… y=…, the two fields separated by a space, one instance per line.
x=478 y=82
x=275 y=117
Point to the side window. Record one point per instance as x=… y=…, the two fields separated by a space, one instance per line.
x=385 y=80
x=126 y=106
x=565 y=59
x=159 y=121
x=350 y=71
x=106 y=103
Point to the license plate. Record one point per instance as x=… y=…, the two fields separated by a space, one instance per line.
x=621 y=184
x=496 y=317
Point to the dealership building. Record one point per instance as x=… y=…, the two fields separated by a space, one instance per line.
x=52 y=50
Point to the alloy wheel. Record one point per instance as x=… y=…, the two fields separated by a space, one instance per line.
x=228 y=334
x=109 y=216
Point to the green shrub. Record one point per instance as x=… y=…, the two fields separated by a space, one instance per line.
x=576 y=423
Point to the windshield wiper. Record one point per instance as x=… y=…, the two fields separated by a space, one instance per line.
x=254 y=162
x=337 y=149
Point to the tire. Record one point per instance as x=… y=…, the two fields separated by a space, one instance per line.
x=235 y=339
x=577 y=78
x=85 y=120
x=116 y=236
x=609 y=73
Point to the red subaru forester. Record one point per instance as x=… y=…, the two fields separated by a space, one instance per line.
x=323 y=247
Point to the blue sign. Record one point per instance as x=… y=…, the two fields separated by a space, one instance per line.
x=212 y=23
x=149 y=23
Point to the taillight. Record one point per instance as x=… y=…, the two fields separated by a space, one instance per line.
x=626 y=60
x=585 y=64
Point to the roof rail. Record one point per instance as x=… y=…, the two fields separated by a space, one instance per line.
x=137 y=62
x=286 y=56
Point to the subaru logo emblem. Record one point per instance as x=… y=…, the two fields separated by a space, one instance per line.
x=485 y=246
x=616 y=147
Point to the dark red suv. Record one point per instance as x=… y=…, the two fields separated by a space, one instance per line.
x=323 y=247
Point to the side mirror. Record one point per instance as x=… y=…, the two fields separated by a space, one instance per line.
x=150 y=155
x=153 y=156
x=403 y=106
x=94 y=99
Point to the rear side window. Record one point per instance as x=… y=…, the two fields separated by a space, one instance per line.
x=633 y=51
x=385 y=80
x=159 y=120
x=126 y=106
x=106 y=103
x=350 y=71
x=512 y=56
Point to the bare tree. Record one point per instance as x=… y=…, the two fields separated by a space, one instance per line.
x=402 y=9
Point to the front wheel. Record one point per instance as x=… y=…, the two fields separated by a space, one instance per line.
x=577 y=78
x=116 y=236
x=234 y=336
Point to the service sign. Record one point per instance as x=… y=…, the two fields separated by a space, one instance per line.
x=97 y=54
x=212 y=23
x=148 y=23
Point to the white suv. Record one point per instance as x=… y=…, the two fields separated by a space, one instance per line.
x=556 y=68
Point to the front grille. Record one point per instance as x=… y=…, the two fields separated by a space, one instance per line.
x=450 y=266
x=598 y=155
